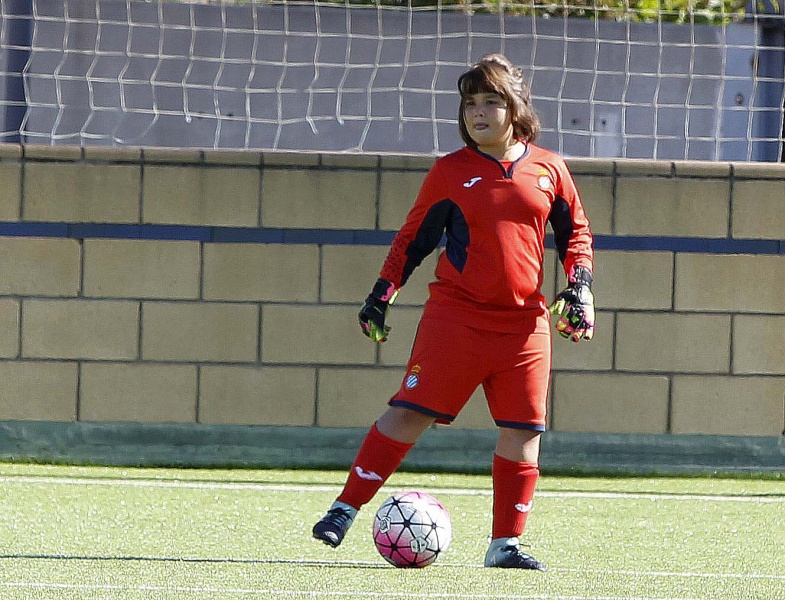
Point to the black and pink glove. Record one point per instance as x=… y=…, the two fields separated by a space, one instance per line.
x=574 y=307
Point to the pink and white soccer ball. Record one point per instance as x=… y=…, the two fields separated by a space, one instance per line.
x=411 y=529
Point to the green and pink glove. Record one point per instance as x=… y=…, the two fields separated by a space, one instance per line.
x=374 y=311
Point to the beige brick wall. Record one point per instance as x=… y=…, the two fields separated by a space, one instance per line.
x=40 y=266
x=261 y=272
x=141 y=392
x=672 y=206
x=728 y=405
x=398 y=189
x=356 y=396
x=193 y=195
x=597 y=195
x=752 y=200
x=240 y=395
x=325 y=198
x=610 y=403
x=634 y=280
x=177 y=324
x=730 y=283
x=39 y=391
x=81 y=192
x=10 y=191
x=141 y=269
x=9 y=328
x=672 y=342
x=199 y=332
x=80 y=329
x=323 y=334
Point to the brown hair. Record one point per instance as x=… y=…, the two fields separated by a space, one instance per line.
x=494 y=73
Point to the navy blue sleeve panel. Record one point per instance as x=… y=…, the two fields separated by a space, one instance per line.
x=427 y=237
x=457 y=238
x=443 y=217
x=560 y=219
x=422 y=231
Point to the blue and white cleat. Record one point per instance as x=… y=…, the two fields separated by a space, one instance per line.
x=505 y=553
x=333 y=526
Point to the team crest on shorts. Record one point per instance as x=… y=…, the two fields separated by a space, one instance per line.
x=413 y=378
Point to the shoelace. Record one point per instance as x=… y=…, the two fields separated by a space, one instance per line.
x=521 y=558
x=339 y=517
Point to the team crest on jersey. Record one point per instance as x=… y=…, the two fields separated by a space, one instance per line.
x=413 y=378
x=544 y=180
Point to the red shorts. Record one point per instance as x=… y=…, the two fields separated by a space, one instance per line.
x=449 y=361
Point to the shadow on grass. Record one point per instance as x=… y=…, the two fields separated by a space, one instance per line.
x=192 y=560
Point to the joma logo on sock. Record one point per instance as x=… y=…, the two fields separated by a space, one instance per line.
x=367 y=475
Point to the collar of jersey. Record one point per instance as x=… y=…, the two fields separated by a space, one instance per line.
x=509 y=171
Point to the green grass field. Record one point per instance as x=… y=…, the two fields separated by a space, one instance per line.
x=89 y=532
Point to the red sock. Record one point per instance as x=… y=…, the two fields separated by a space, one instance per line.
x=377 y=459
x=513 y=493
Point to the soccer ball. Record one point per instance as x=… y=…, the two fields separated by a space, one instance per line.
x=411 y=529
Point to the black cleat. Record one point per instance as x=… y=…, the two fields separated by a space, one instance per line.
x=333 y=527
x=511 y=557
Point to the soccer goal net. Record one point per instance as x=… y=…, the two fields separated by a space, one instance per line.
x=702 y=80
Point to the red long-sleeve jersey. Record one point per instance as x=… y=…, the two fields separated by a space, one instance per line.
x=494 y=218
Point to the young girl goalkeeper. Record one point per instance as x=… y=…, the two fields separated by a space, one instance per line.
x=486 y=321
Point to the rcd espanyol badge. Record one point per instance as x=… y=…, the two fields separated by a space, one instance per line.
x=413 y=378
x=543 y=180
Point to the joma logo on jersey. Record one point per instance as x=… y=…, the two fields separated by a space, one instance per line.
x=471 y=182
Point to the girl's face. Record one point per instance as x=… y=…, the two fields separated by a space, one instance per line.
x=488 y=122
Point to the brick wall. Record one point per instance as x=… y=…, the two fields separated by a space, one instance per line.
x=164 y=286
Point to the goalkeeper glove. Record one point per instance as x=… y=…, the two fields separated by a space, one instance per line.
x=575 y=306
x=374 y=311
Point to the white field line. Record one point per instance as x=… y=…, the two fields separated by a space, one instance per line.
x=274 y=593
x=676 y=574
x=300 y=488
x=564 y=494
x=444 y=565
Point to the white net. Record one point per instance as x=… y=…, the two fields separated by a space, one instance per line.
x=321 y=76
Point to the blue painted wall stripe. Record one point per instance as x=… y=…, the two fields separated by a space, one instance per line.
x=267 y=235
